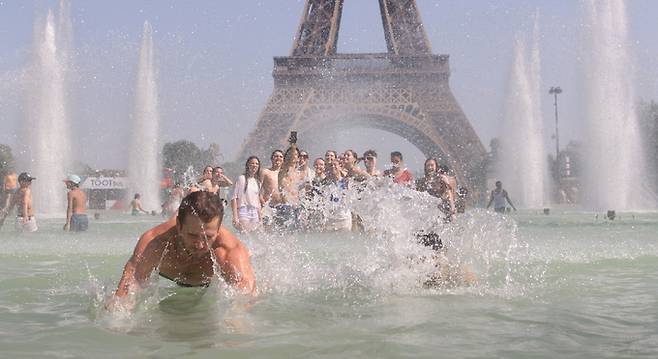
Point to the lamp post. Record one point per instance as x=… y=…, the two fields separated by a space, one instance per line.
x=556 y=91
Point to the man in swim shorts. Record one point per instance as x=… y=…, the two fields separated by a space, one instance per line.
x=76 y=207
x=185 y=249
x=25 y=221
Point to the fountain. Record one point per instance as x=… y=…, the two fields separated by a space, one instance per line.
x=47 y=124
x=523 y=158
x=144 y=162
x=615 y=165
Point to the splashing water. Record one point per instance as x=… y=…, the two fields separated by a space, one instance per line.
x=189 y=178
x=615 y=175
x=144 y=162
x=523 y=156
x=387 y=258
x=48 y=117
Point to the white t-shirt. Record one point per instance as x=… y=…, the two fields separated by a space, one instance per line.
x=249 y=197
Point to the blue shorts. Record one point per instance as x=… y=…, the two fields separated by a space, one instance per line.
x=79 y=222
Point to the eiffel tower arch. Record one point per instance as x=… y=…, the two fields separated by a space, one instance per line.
x=404 y=91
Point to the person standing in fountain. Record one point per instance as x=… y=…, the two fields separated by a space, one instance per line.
x=76 y=207
x=269 y=191
x=25 y=221
x=351 y=167
x=205 y=181
x=136 y=205
x=304 y=168
x=291 y=182
x=338 y=216
x=173 y=201
x=449 y=196
x=498 y=197
x=221 y=183
x=370 y=160
x=9 y=186
x=189 y=249
x=245 y=202
x=329 y=157
x=320 y=172
x=400 y=174
x=436 y=184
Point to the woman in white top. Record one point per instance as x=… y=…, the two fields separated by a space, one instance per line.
x=246 y=202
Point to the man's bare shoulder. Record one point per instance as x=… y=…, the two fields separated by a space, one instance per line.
x=156 y=237
x=228 y=241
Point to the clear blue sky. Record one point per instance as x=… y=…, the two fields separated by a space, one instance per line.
x=215 y=61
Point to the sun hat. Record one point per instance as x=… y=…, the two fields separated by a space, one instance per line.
x=75 y=179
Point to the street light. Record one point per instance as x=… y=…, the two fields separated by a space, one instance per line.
x=556 y=91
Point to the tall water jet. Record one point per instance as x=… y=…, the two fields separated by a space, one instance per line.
x=523 y=157
x=615 y=165
x=144 y=162
x=47 y=124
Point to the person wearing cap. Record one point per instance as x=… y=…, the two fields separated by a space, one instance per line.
x=25 y=221
x=76 y=208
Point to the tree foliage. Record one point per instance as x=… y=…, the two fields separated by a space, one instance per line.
x=180 y=155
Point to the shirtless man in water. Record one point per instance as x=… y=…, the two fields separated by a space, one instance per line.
x=184 y=250
x=22 y=200
x=269 y=177
x=76 y=207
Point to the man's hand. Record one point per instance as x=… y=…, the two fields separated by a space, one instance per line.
x=236 y=224
x=67 y=226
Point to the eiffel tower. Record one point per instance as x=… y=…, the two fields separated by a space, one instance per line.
x=404 y=91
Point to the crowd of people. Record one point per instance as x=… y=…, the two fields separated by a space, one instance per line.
x=292 y=194
x=288 y=194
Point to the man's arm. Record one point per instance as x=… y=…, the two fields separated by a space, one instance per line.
x=236 y=269
x=234 y=210
x=509 y=200
x=145 y=258
x=491 y=198
x=24 y=208
x=224 y=181
x=69 y=210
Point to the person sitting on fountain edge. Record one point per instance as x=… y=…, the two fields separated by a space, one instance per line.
x=187 y=248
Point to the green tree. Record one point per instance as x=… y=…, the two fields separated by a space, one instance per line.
x=7 y=161
x=180 y=155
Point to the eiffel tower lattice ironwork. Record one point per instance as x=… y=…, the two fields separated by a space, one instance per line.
x=404 y=91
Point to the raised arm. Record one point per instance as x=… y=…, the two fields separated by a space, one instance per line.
x=224 y=181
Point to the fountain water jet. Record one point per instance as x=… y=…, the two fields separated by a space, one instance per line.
x=523 y=155
x=615 y=170
x=47 y=125
x=144 y=162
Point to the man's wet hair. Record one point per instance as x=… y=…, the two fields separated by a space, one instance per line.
x=444 y=169
x=203 y=204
